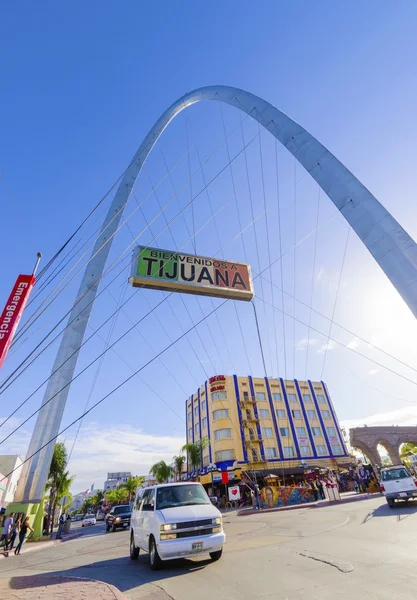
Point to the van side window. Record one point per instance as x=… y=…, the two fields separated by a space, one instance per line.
x=138 y=501
x=151 y=498
x=145 y=498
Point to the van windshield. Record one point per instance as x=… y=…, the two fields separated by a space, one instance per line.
x=180 y=495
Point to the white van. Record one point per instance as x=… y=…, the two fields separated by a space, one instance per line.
x=397 y=484
x=175 y=520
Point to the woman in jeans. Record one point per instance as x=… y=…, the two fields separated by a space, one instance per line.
x=14 y=533
x=23 y=534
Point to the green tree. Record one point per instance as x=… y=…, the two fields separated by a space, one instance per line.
x=179 y=462
x=97 y=499
x=131 y=484
x=64 y=483
x=195 y=452
x=86 y=506
x=161 y=471
x=118 y=496
x=56 y=470
x=407 y=449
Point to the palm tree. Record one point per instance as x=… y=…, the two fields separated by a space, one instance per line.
x=97 y=499
x=179 y=462
x=117 y=496
x=131 y=484
x=161 y=471
x=57 y=468
x=195 y=452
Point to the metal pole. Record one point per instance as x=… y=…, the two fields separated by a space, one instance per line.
x=390 y=245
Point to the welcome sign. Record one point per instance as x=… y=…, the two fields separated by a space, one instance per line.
x=189 y=274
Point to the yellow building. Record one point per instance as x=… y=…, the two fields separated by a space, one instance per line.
x=267 y=425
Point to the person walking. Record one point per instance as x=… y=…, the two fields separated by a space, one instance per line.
x=320 y=489
x=22 y=535
x=14 y=533
x=7 y=528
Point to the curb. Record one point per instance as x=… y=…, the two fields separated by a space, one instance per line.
x=32 y=546
x=58 y=580
x=309 y=505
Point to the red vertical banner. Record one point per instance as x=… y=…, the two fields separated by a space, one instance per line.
x=12 y=312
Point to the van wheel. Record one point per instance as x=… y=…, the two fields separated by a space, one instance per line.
x=155 y=561
x=134 y=550
x=391 y=502
x=216 y=555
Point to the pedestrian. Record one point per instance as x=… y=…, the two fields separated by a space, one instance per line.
x=257 y=495
x=320 y=489
x=7 y=528
x=22 y=535
x=14 y=533
x=315 y=491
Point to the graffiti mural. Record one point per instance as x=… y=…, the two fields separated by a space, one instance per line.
x=285 y=496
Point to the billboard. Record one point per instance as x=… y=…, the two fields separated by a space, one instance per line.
x=12 y=312
x=189 y=274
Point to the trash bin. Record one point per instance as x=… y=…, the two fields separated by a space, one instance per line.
x=67 y=526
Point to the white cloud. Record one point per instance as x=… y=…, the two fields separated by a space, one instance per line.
x=374 y=371
x=99 y=450
x=304 y=342
x=330 y=346
x=401 y=416
x=353 y=344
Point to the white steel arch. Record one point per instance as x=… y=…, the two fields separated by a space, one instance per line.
x=393 y=249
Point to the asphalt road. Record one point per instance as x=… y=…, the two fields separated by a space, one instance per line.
x=358 y=550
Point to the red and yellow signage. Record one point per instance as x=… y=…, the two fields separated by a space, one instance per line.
x=189 y=274
x=12 y=312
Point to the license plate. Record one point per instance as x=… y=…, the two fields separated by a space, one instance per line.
x=197 y=547
x=403 y=494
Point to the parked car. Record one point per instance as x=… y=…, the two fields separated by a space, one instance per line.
x=76 y=518
x=397 y=484
x=88 y=520
x=119 y=516
x=175 y=521
x=100 y=516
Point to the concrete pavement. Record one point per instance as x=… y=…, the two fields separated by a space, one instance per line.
x=41 y=587
x=356 y=550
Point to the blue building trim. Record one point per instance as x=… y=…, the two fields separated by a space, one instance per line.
x=323 y=427
x=199 y=421
x=290 y=419
x=274 y=418
x=303 y=409
x=188 y=427
x=208 y=413
x=239 y=412
x=192 y=415
x=255 y=412
x=335 y=421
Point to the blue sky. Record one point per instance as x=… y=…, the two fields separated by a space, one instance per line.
x=82 y=83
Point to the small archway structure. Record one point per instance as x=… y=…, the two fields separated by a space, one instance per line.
x=367 y=439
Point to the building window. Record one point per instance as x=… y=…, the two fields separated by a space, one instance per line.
x=246 y=395
x=289 y=452
x=264 y=413
x=219 y=396
x=196 y=411
x=306 y=397
x=220 y=414
x=255 y=454
x=190 y=433
x=321 y=450
x=197 y=428
x=296 y=414
x=267 y=432
x=222 y=434
x=292 y=398
x=301 y=431
x=204 y=422
x=320 y=398
x=326 y=414
x=276 y=397
x=280 y=414
x=261 y=396
x=190 y=416
x=284 y=431
x=331 y=431
x=204 y=405
x=311 y=414
x=305 y=450
x=224 y=455
x=316 y=431
x=271 y=452
x=337 y=449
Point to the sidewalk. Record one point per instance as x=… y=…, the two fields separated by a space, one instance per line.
x=345 y=499
x=43 y=587
x=30 y=546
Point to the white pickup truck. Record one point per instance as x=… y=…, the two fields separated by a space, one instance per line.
x=397 y=484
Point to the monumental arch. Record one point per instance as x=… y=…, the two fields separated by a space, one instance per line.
x=390 y=245
x=366 y=439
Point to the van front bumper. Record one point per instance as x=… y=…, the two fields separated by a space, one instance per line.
x=192 y=546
